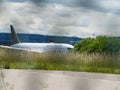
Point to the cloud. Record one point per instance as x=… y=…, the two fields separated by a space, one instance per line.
x=104 y=6
x=70 y=3
x=110 y=5
x=17 y=1
x=2 y=6
x=61 y=17
x=110 y=25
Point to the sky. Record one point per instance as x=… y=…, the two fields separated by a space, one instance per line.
x=81 y=18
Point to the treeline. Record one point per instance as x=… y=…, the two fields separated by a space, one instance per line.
x=100 y=44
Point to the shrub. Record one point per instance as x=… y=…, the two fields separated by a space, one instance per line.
x=99 y=44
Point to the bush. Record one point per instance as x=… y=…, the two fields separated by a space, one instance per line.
x=99 y=44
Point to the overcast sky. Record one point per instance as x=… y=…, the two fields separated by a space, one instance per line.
x=81 y=18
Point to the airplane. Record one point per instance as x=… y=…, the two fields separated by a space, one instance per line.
x=36 y=47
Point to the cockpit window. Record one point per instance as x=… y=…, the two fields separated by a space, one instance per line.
x=69 y=48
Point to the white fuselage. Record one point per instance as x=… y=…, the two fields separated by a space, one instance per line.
x=43 y=47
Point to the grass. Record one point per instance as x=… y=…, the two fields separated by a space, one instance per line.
x=95 y=62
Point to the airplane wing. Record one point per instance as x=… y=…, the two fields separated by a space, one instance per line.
x=19 y=49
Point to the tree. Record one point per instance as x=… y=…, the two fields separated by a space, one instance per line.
x=98 y=44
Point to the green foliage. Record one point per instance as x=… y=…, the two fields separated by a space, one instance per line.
x=99 y=44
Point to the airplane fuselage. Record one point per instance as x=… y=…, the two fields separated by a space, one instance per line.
x=36 y=47
x=43 y=47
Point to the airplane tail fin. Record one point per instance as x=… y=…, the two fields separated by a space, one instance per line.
x=14 y=36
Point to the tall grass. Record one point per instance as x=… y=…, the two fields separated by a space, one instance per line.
x=94 y=62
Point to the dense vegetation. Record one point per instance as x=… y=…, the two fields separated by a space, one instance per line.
x=100 y=44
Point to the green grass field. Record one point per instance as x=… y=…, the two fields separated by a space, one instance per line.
x=95 y=62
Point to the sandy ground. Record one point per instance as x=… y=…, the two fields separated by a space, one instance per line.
x=16 y=79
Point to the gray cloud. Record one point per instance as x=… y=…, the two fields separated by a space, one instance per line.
x=57 y=19
x=72 y=3
x=39 y=2
x=111 y=26
x=64 y=2
x=17 y=0
x=2 y=6
x=105 y=24
x=1 y=2
x=61 y=17
x=94 y=5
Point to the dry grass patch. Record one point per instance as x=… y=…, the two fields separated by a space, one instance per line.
x=94 y=62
